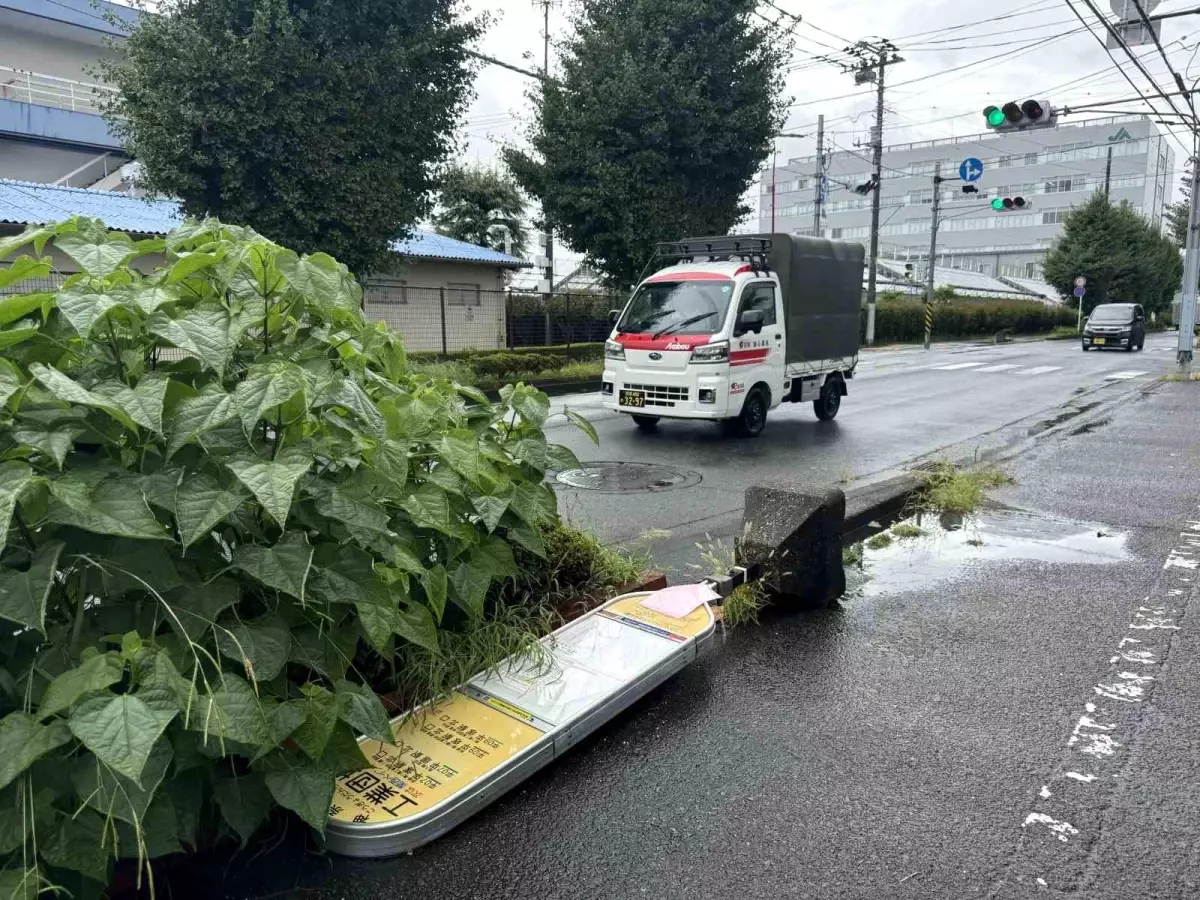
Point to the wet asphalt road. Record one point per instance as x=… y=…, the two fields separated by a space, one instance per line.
x=904 y=404
x=896 y=746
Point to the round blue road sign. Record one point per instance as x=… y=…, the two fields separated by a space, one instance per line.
x=971 y=169
x=1080 y=291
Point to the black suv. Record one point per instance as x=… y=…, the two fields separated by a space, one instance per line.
x=1117 y=325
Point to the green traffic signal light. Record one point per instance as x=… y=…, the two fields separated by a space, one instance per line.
x=995 y=116
x=998 y=204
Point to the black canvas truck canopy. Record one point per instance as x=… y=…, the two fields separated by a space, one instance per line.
x=821 y=282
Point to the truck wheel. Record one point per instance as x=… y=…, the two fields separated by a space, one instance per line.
x=646 y=423
x=754 y=414
x=827 y=405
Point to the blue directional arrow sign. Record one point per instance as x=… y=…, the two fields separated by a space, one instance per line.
x=971 y=169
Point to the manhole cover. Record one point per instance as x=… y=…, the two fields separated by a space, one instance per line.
x=623 y=477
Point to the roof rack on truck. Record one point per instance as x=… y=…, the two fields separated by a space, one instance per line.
x=754 y=250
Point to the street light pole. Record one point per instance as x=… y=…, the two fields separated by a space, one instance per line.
x=933 y=231
x=1191 y=266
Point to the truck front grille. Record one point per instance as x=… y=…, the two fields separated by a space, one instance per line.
x=660 y=395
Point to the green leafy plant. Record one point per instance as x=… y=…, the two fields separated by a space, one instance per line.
x=880 y=541
x=231 y=512
x=953 y=490
x=906 y=530
x=744 y=603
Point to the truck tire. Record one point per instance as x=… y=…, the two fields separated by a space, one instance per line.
x=646 y=423
x=827 y=405
x=753 y=417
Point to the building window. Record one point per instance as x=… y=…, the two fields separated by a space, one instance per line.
x=1058 y=186
x=1031 y=159
x=463 y=295
x=1007 y=162
x=836 y=233
x=387 y=293
x=1055 y=216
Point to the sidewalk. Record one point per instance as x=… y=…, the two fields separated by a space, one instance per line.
x=975 y=719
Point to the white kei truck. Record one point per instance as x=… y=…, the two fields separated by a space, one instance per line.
x=730 y=327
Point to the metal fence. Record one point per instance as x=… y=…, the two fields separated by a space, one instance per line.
x=50 y=90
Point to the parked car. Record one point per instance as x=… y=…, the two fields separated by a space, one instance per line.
x=1116 y=325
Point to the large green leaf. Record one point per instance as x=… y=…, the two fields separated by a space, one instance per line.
x=19 y=883
x=491 y=507
x=14 y=478
x=23 y=594
x=201 y=502
x=143 y=404
x=112 y=794
x=95 y=674
x=529 y=538
x=360 y=708
x=196 y=416
x=206 y=332
x=244 y=802
x=69 y=391
x=54 y=442
x=36 y=235
x=349 y=395
x=496 y=556
x=197 y=606
x=261 y=648
x=342 y=505
x=148 y=296
x=470 y=582
x=352 y=579
x=24 y=740
x=320 y=718
x=429 y=508
x=273 y=482
x=322 y=280
x=283 y=567
x=22 y=268
x=582 y=424
x=391 y=462
x=99 y=258
x=11 y=380
x=116 y=506
x=435 y=585
x=79 y=845
x=460 y=448
x=120 y=730
x=266 y=387
x=233 y=713
x=532 y=405
x=84 y=308
x=535 y=503
x=18 y=306
x=306 y=788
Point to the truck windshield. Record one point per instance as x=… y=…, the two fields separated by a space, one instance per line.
x=678 y=307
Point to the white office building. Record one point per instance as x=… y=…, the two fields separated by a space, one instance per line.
x=1053 y=169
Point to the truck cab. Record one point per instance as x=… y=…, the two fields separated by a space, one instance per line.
x=708 y=339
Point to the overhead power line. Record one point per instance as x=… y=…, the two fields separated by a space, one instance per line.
x=1021 y=11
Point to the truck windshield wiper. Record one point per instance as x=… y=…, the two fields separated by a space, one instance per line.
x=671 y=329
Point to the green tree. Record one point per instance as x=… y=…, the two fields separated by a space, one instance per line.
x=482 y=206
x=320 y=123
x=663 y=113
x=1177 y=213
x=1124 y=258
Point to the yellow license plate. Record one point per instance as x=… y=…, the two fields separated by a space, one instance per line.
x=636 y=399
x=1097 y=340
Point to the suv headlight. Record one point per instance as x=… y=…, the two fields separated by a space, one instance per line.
x=711 y=353
x=613 y=350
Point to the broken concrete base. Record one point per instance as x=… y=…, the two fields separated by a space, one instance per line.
x=795 y=533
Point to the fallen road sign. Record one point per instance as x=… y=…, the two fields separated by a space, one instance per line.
x=450 y=760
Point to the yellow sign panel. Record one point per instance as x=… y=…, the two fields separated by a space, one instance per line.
x=695 y=623
x=436 y=754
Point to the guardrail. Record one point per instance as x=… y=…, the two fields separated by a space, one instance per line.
x=50 y=90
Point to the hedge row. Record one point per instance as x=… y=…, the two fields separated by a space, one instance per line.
x=522 y=359
x=898 y=321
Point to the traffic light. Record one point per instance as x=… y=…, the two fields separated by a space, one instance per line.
x=1019 y=116
x=1009 y=204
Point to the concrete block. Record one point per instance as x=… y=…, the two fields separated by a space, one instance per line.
x=795 y=533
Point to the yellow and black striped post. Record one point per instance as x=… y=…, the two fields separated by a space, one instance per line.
x=928 y=322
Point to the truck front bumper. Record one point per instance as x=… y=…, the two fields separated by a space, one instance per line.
x=673 y=395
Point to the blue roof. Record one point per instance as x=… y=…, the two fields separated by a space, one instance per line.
x=27 y=203
x=83 y=13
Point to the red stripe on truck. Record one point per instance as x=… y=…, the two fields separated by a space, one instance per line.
x=748 y=357
x=671 y=342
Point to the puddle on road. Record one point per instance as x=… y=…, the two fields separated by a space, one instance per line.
x=949 y=544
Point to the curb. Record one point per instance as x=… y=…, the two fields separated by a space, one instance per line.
x=883 y=502
x=557 y=388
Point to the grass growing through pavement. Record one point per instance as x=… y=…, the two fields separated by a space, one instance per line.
x=952 y=490
x=1182 y=376
x=907 y=530
x=852 y=555
x=880 y=541
x=743 y=606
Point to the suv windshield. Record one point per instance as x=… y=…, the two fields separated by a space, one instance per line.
x=678 y=307
x=1112 y=314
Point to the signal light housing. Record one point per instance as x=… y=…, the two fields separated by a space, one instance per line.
x=1015 y=115
x=1010 y=204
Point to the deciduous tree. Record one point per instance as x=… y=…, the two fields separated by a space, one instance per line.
x=662 y=115
x=482 y=206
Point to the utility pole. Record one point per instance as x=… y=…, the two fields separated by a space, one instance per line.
x=1108 y=172
x=873 y=61
x=546 y=4
x=819 y=187
x=1191 y=265
x=774 y=160
x=933 y=234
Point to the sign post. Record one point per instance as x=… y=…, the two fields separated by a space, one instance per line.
x=1080 y=290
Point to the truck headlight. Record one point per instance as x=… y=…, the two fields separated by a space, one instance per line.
x=613 y=350
x=711 y=353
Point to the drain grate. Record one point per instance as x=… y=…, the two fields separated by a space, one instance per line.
x=629 y=477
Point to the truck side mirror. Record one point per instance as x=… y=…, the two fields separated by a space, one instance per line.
x=751 y=320
x=613 y=315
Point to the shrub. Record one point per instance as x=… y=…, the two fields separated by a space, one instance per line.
x=905 y=320
x=234 y=511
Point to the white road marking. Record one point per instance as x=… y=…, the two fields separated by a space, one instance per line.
x=1124 y=376
x=957 y=366
x=1086 y=779
x=1002 y=368
x=1061 y=830
x=1040 y=370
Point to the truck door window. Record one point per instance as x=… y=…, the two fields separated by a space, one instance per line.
x=760 y=297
